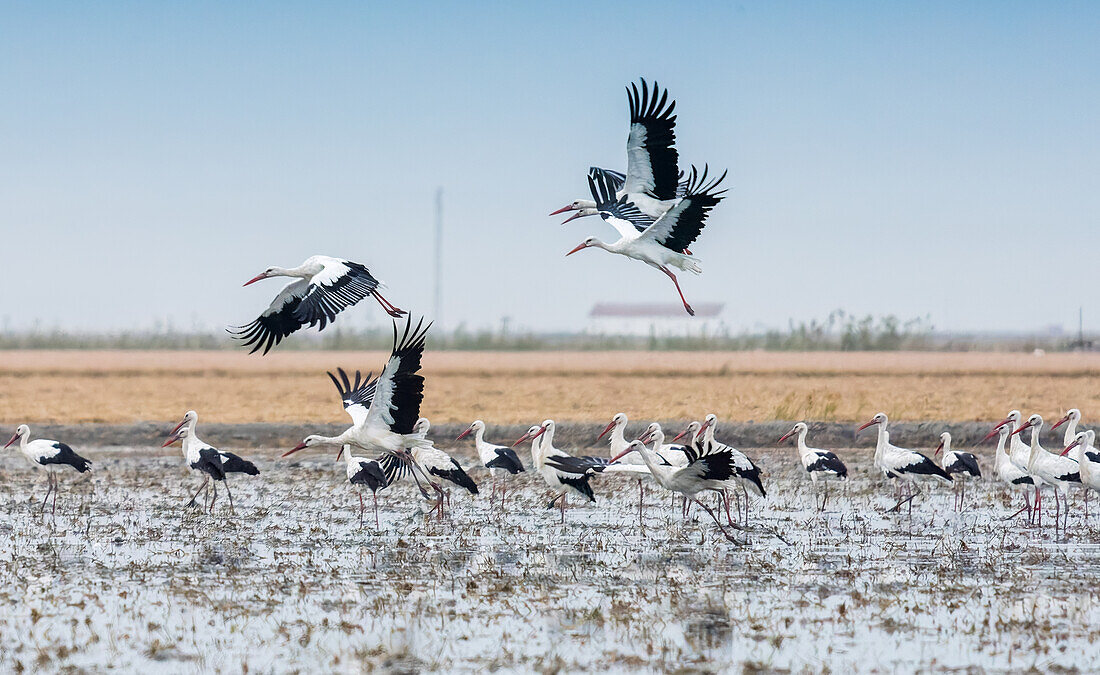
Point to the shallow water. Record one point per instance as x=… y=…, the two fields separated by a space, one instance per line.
x=126 y=577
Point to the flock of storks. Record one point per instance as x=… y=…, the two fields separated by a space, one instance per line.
x=658 y=212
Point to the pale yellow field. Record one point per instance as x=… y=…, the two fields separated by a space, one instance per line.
x=517 y=387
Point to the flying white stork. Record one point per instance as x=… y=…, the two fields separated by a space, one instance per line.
x=207 y=459
x=1088 y=464
x=45 y=454
x=653 y=178
x=906 y=466
x=563 y=473
x=325 y=287
x=960 y=465
x=661 y=244
x=1057 y=471
x=384 y=411
x=820 y=464
x=495 y=458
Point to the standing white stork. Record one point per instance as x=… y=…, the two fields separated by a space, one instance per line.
x=375 y=474
x=820 y=464
x=325 y=287
x=495 y=458
x=45 y=454
x=906 y=466
x=713 y=470
x=1019 y=454
x=661 y=244
x=653 y=178
x=207 y=459
x=1088 y=464
x=745 y=471
x=1057 y=471
x=960 y=465
x=384 y=410
x=562 y=472
x=438 y=463
x=1016 y=478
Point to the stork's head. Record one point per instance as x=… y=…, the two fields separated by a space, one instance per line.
x=477 y=426
x=532 y=433
x=798 y=428
x=945 y=443
x=583 y=207
x=1072 y=415
x=880 y=419
x=1080 y=439
x=310 y=441
x=691 y=432
x=634 y=446
x=591 y=241
x=619 y=420
x=422 y=426
x=189 y=417
x=266 y=274
x=651 y=432
x=22 y=431
x=710 y=423
x=1034 y=422
x=181 y=432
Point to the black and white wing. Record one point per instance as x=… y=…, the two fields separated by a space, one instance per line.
x=964 y=463
x=339 y=285
x=615 y=178
x=823 y=461
x=357 y=396
x=279 y=320
x=679 y=227
x=619 y=213
x=371 y=474
x=399 y=389
x=507 y=459
x=651 y=157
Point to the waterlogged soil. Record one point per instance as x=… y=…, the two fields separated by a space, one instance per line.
x=125 y=577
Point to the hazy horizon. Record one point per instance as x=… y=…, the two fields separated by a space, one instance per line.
x=935 y=159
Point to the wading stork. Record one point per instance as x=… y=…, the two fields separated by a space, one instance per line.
x=563 y=473
x=905 y=466
x=496 y=458
x=46 y=455
x=820 y=464
x=961 y=466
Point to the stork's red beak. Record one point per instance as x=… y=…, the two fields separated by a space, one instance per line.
x=338 y=454
x=1060 y=422
x=704 y=427
x=1070 y=447
x=296 y=448
x=681 y=434
x=939 y=449
x=871 y=423
x=607 y=429
x=1025 y=425
x=529 y=436
x=256 y=278
x=622 y=454
x=576 y=215
x=579 y=247
x=173 y=438
x=464 y=434
x=179 y=426
x=996 y=428
x=14 y=438
x=785 y=436
x=567 y=207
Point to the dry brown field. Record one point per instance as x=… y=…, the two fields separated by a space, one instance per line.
x=517 y=387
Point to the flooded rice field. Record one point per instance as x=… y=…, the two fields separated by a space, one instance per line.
x=126 y=577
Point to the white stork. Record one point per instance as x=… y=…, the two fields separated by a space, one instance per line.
x=1057 y=471
x=45 y=454
x=562 y=472
x=384 y=411
x=745 y=471
x=653 y=178
x=207 y=459
x=495 y=458
x=713 y=470
x=1088 y=464
x=375 y=474
x=960 y=465
x=820 y=464
x=906 y=466
x=1019 y=454
x=1016 y=478
x=1071 y=419
x=325 y=287
x=436 y=462
x=660 y=244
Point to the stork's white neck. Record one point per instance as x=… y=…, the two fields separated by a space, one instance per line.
x=1071 y=432
x=658 y=472
x=617 y=440
x=801 y=442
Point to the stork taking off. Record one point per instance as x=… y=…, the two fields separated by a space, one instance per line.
x=207 y=459
x=47 y=455
x=820 y=464
x=906 y=466
x=652 y=179
x=496 y=458
x=325 y=287
x=661 y=244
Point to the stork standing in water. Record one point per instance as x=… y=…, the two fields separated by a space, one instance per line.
x=653 y=178
x=661 y=244
x=325 y=287
x=205 y=458
x=495 y=458
x=1016 y=478
x=438 y=463
x=1088 y=463
x=710 y=471
x=906 y=466
x=563 y=473
x=45 y=454
x=375 y=474
x=745 y=472
x=820 y=464
x=1019 y=454
x=962 y=466
x=384 y=411
x=1057 y=471
x=616 y=438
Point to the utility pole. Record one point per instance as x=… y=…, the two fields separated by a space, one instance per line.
x=438 y=296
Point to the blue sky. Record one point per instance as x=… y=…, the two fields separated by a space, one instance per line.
x=906 y=158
